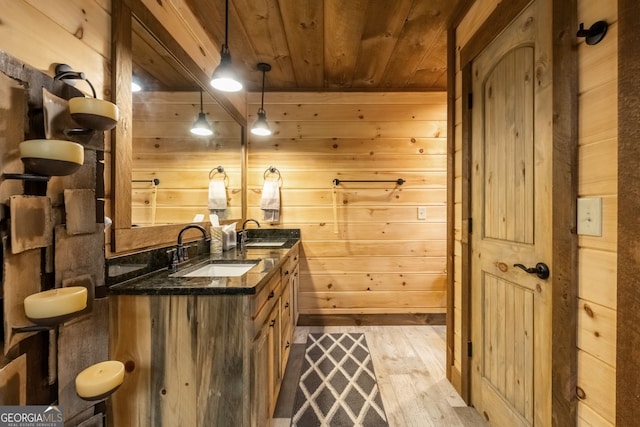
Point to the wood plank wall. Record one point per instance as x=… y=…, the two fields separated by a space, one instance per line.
x=371 y=255
x=164 y=149
x=42 y=34
x=598 y=132
x=596 y=302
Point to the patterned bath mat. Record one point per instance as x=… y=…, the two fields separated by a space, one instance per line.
x=337 y=385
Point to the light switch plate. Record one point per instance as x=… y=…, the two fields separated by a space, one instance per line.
x=422 y=212
x=590 y=216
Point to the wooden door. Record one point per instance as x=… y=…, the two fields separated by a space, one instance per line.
x=511 y=220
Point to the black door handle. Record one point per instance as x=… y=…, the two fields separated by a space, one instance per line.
x=541 y=270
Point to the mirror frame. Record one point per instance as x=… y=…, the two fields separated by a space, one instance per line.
x=124 y=237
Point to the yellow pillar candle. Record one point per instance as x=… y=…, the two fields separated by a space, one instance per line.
x=100 y=380
x=55 y=303
x=94 y=113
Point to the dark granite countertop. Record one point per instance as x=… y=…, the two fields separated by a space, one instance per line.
x=145 y=273
x=161 y=282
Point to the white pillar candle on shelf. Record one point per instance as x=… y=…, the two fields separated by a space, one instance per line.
x=55 y=302
x=100 y=380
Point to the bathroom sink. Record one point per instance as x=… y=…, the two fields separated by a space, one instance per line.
x=265 y=243
x=216 y=268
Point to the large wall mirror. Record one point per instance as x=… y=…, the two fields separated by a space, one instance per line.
x=161 y=172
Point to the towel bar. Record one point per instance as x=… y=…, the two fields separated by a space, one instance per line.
x=154 y=181
x=398 y=181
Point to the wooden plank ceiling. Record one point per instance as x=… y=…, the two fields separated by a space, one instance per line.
x=359 y=45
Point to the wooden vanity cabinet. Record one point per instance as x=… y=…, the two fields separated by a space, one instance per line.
x=272 y=342
x=202 y=360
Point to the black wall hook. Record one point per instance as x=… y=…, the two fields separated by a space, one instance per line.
x=594 y=34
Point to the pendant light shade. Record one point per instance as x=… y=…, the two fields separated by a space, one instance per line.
x=224 y=77
x=260 y=126
x=201 y=126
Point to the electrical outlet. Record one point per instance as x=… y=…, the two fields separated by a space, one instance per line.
x=590 y=216
x=422 y=212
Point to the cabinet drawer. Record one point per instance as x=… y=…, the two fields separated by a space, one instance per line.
x=264 y=301
x=285 y=273
x=289 y=266
x=294 y=259
x=286 y=307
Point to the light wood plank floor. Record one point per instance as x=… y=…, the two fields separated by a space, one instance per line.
x=409 y=363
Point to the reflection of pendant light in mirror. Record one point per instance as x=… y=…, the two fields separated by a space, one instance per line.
x=260 y=126
x=135 y=85
x=224 y=77
x=201 y=126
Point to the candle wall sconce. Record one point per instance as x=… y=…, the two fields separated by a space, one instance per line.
x=594 y=34
x=99 y=381
x=91 y=113
x=56 y=305
x=51 y=157
x=48 y=309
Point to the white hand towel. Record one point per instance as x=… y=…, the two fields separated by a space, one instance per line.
x=270 y=202
x=217 y=197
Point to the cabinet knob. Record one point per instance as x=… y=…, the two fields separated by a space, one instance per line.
x=288 y=344
x=272 y=323
x=271 y=294
x=286 y=305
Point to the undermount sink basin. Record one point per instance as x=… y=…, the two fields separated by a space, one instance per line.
x=265 y=244
x=218 y=269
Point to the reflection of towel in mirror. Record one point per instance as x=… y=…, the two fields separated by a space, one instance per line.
x=270 y=202
x=217 y=197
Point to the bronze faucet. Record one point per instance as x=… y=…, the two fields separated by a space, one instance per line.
x=180 y=253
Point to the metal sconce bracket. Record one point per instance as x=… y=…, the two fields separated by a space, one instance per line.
x=66 y=74
x=594 y=34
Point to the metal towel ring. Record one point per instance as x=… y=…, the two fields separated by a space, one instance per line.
x=216 y=171
x=272 y=170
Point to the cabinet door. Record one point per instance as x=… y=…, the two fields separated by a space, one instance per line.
x=293 y=289
x=260 y=388
x=285 y=326
x=273 y=344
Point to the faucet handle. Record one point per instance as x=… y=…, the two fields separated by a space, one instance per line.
x=183 y=252
x=172 y=255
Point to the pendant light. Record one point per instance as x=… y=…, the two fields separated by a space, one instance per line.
x=260 y=126
x=201 y=126
x=224 y=77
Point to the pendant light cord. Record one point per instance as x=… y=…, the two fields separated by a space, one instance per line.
x=201 y=106
x=262 y=100
x=226 y=25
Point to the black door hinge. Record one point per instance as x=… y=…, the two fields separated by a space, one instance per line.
x=470 y=101
x=470 y=225
x=469 y=349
